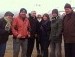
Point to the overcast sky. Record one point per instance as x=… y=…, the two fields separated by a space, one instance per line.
x=41 y=6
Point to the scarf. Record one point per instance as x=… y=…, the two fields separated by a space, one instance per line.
x=8 y=25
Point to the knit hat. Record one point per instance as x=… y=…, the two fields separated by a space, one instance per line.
x=67 y=6
x=55 y=11
x=23 y=9
x=8 y=13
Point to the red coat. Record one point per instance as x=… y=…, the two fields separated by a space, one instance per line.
x=20 y=27
x=69 y=28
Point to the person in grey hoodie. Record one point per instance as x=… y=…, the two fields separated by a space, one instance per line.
x=56 y=34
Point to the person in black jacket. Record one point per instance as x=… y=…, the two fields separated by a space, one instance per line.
x=33 y=32
x=39 y=19
x=5 y=26
x=44 y=34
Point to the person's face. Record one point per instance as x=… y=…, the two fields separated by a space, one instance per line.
x=33 y=14
x=10 y=17
x=68 y=10
x=54 y=14
x=22 y=14
x=39 y=17
x=44 y=17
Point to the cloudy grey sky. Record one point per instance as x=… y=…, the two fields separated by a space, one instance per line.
x=41 y=6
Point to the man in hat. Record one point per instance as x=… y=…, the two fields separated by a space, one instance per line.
x=69 y=31
x=56 y=34
x=5 y=26
x=20 y=30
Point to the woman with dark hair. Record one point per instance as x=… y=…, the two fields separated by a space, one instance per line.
x=44 y=34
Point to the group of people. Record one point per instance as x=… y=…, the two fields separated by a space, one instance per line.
x=43 y=30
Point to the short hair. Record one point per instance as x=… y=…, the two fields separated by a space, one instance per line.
x=33 y=12
x=8 y=13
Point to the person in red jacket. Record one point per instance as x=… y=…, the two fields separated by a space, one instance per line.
x=20 y=30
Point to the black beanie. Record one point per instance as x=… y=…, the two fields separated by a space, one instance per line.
x=67 y=6
x=55 y=11
x=23 y=9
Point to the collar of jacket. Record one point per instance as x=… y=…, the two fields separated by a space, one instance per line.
x=32 y=17
x=22 y=18
x=70 y=13
x=55 y=18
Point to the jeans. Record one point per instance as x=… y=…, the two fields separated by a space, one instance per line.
x=2 y=49
x=16 y=47
x=55 y=49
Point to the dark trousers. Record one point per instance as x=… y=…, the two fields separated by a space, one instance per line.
x=2 y=49
x=69 y=49
x=30 y=46
x=44 y=41
x=38 y=48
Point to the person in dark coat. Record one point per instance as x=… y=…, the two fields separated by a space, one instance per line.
x=56 y=34
x=69 y=31
x=39 y=19
x=5 y=26
x=33 y=33
x=44 y=34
